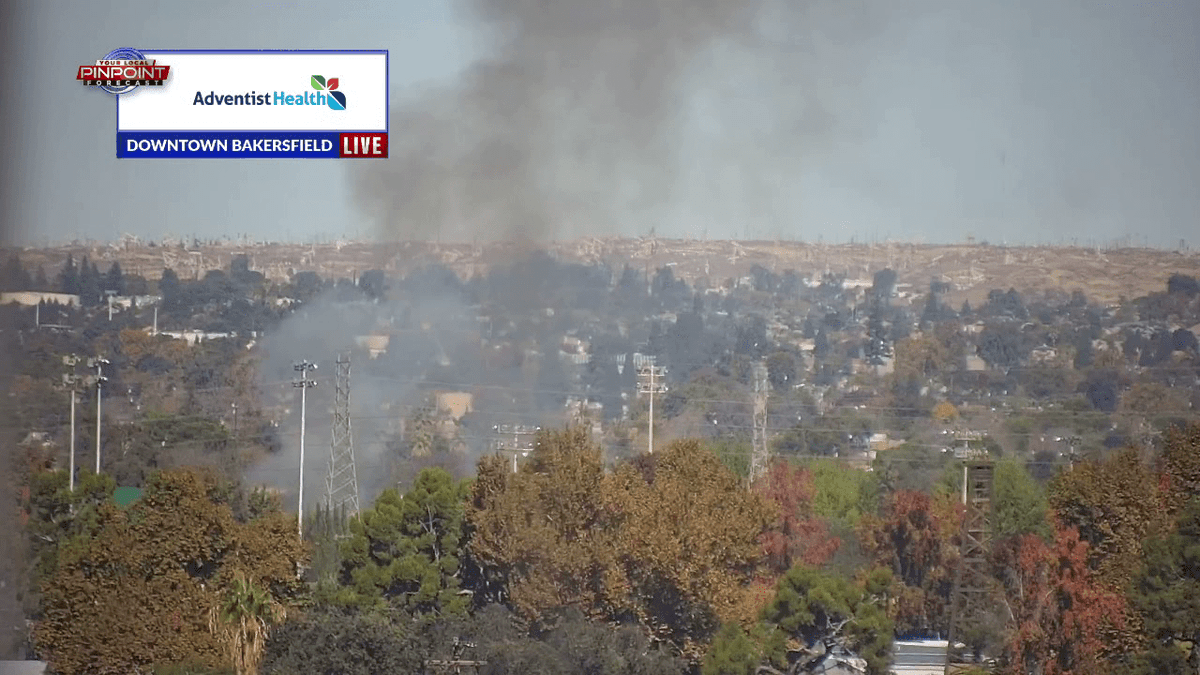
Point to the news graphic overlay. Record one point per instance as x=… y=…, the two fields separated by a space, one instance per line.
x=259 y=105
x=122 y=71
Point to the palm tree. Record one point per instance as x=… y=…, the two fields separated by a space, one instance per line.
x=242 y=620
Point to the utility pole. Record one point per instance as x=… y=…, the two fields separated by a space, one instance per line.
x=457 y=663
x=523 y=439
x=303 y=383
x=650 y=373
x=758 y=456
x=71 y=380
x=98 y=363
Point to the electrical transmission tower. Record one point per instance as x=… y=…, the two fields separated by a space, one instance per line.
x=972 y=584
x=759 y=455
x=341 y=485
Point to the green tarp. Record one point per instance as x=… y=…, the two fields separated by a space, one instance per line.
x=124 y=496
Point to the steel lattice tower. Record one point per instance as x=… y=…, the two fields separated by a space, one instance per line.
x=341 y=485
x=969 y=602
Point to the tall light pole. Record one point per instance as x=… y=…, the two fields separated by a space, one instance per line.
x=98 y=363
x=71 y=380
x=303 y=383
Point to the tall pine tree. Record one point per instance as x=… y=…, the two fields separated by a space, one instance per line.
x=115 y=279
x=68 y=278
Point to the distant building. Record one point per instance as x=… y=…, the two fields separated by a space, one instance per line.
x=194 y=336
x=375 y=345
x=130 y=301
x=32 y=298
x=1043 y=354
x=455 y=403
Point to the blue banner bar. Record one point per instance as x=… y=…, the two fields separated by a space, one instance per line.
x=228 y=144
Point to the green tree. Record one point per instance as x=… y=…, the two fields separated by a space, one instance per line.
x=819 y=610
x=1019 y=504
x=1179 y=463
x=68 y=277
x=732 y=653
x=1166 y=591
x=115 y=279
x=781 y=371
x=242 y=621
x=342 y=642
x=407 y=550
x=843 y=494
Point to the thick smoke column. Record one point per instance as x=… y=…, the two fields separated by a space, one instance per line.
x=570 y=127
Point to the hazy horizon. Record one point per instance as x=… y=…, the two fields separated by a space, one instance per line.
x=1017 y=123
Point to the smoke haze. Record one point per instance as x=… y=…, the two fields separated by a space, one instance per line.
x=764 y=118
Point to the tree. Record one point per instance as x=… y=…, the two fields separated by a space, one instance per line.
x=373 y=283
x=1179 y=463
x=691 y=544
x=916 y=539
x=342 y=642
x=842 y=494
x=169 y=287
x=1058 y=610
x=1019 y=504
x=1115 y=504
x=115 y=280
x=877 y=350
x=544 y=534
x=1166 y=590
x=140 y=590
x=732 y=653
x=242 y=622
x=819 y=610
x=671 y=542
x=408 y=551
x=13 y=276
x=945 y=412
x=90 y=283
x=799 y=535
x=781 y=371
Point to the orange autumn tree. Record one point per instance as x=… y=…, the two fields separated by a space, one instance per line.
x=139 y=592
x=672 y=543
x=798 y=535
x=1058 y=610
x=917 y=538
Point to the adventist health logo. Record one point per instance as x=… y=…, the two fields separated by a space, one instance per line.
x=327 y=96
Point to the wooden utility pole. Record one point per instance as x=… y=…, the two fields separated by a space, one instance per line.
x=652 y=384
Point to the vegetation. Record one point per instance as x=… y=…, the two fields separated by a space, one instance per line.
x=585 y=555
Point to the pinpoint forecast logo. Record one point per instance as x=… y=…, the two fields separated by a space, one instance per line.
x=335 y=99
x=122 y=71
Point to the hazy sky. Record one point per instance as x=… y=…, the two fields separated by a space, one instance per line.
x=1015 y=121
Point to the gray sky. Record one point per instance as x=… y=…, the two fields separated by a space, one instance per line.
x=1015 y=121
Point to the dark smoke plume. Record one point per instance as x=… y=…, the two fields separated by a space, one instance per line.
x=571 y=126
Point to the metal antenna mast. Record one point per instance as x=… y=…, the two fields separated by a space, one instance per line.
x=341 y=485
x=759 y=454
x=972 y=584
